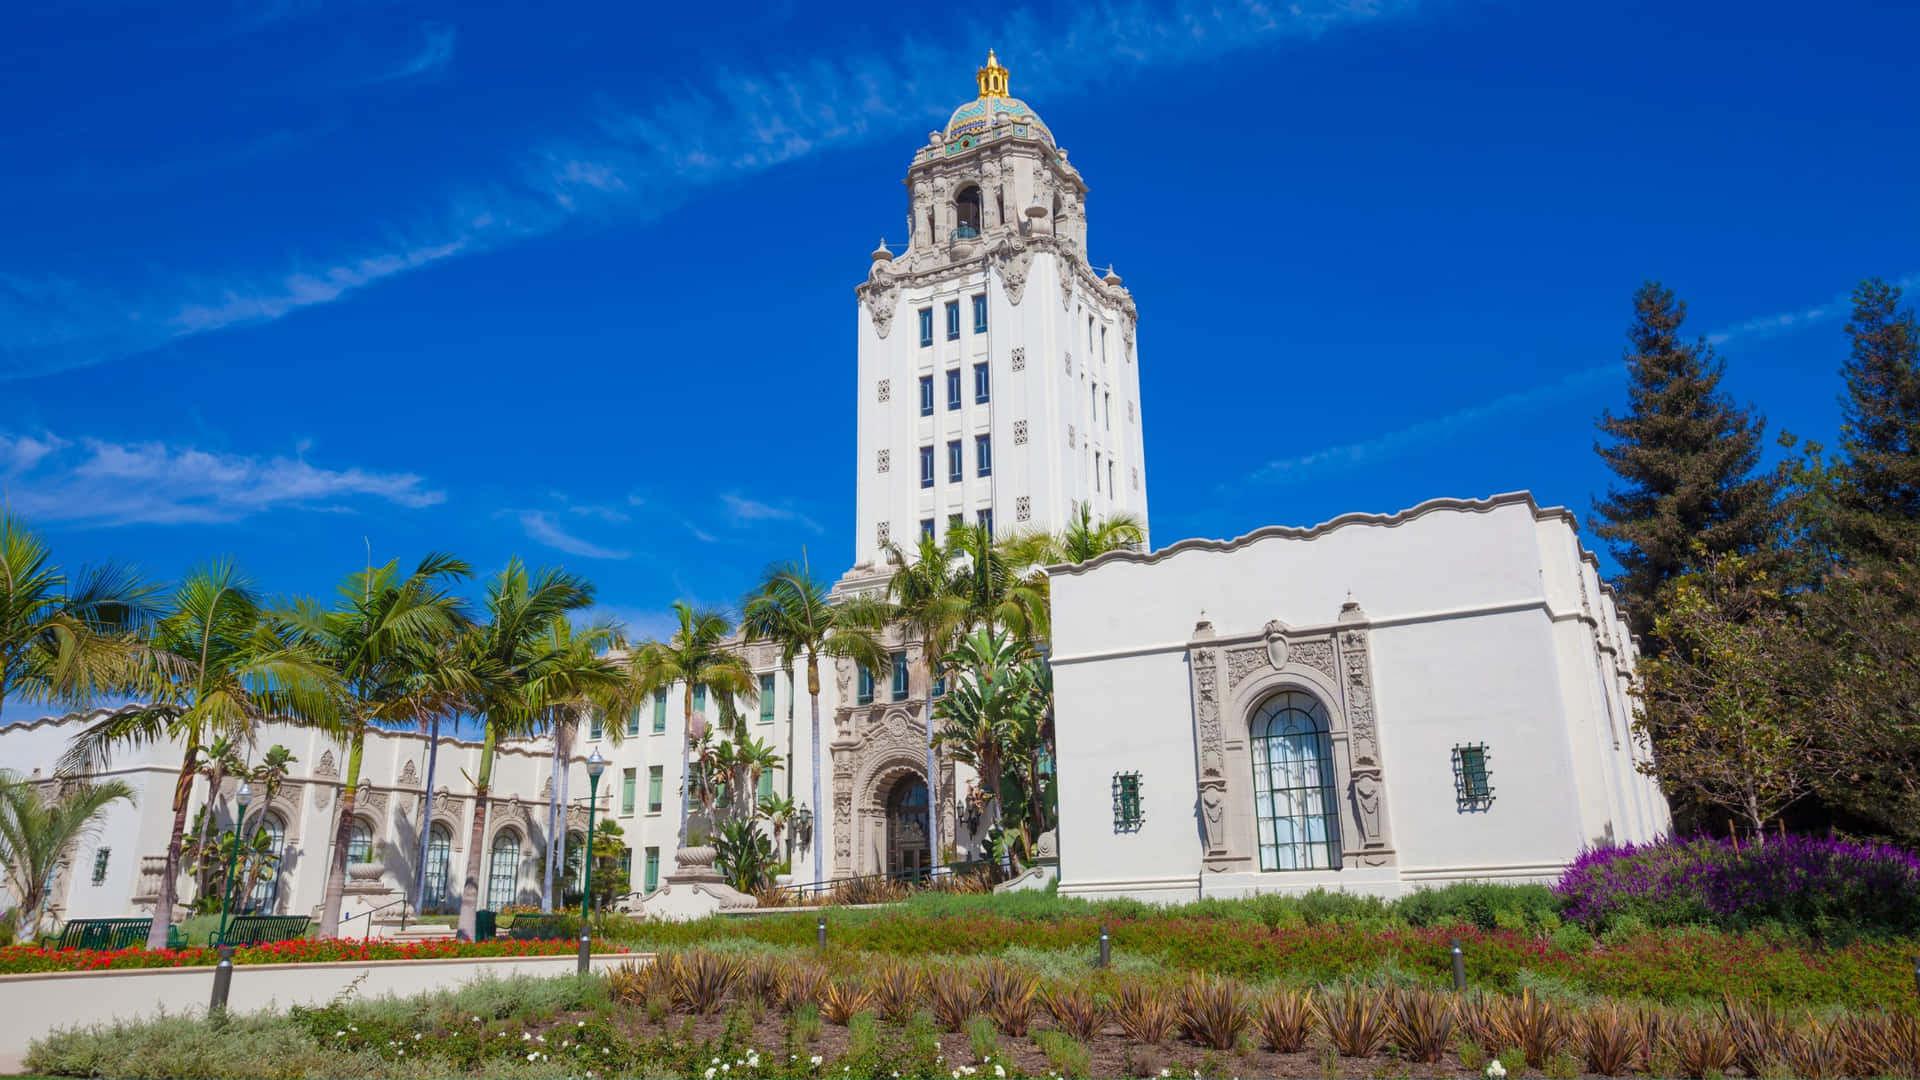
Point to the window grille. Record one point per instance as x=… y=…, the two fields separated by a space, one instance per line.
x=1472 y=780
x=1019 y=433
x=1127 y=813
x=100 y=858
x=886 y=391
x=886 y=460
x=1020 y=358
x=1023 y=508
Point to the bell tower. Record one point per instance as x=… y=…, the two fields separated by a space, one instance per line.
x=998 y=372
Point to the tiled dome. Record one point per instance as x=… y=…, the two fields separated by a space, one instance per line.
x=976 y=116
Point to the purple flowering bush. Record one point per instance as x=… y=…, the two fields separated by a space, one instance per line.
x=1833 y=890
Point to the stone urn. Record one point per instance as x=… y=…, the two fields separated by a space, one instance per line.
x=366 y=877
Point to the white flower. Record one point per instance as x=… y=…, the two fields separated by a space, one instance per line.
x=1166 y=1072
x=580 y=1023
x=815 y=1060
x=339 y=1034
x=1495 y=1069
x=476 y=1019
x=530 y=1057
x=1000 y=1071
x=709 y=1073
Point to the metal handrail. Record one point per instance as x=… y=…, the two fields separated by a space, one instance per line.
x=918 y=876
x=371 y=912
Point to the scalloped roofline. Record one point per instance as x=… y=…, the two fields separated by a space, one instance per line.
x=1309 y=532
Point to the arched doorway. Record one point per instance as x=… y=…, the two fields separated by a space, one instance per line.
x=908 y=852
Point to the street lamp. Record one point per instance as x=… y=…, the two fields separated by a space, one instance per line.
x=595 y=766
x=244 y=795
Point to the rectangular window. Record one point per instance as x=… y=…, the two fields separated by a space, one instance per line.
x=100 y=858
x=1093 y=403
x=956 y=468
x=926 y=395
x=980 y=384
x=1127 y=816
x=700 y=700
x=595 y=729
x=926 y=326
x=633 y=721
x=766 y=698
x=986 y=522
x=980 y=314
x=659 y=711
x=1103 y=345
x=629 y=786
x=940 y=686
x=1472 y=782
x=863 y=688
x=1089 y=333
x=653 y=869
x=983 y=454
x=1106 y=410
x=926 y=466
x=766 y=785
x=656 y=780
x=1096 y=471
x=1110 y=488
x=926 y=528
x=954 y=521
x=953 y=389
x=899 y=676
x=953 y=320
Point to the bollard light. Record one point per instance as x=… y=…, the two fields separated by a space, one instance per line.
x=1459 y=967
x=586 y=950
x=222 y=982
x=820 y=931
x=1106 y=949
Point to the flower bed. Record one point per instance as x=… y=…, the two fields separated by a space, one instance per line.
x=21 y=959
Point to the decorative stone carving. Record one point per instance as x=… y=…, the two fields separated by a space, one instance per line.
x=1316 y=654
x=1359 y=691
x=1366 y=806
x=1023 y=506
x=1067 y=358
x=370 y=800
x=886 y=391
x=1244 y=662
x=323 y=796
x=1136 y=478
x=1070 y=436
x=1213 y=758
x=1126 y=333
x=546 y=787
x=408 y=775
x=1067 y=268
x=885 y=460
x=1019 y=433
x=1277 y=644
x=884 y=533
x=881 y=293
x=326 y=766
x=1020 y=358
x=1015 y=262
x=1213 y=815
x=1129 y=412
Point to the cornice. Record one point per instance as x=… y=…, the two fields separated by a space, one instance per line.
x=1297 y=532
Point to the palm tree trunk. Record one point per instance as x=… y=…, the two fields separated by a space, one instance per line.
x=686 y=767
x=426 y=815
x=336 y=893
x=163 y=905
x=819 y=811
x=214 y=776
x=565 y=788
x=933 y=779
x=470 y=889
x=556 y=835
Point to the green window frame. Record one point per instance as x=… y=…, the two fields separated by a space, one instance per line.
x=700 y=699
x=766 y=784
x=659 y=711
x=1472 y=779
x=900 y=676
x=863 y=688
x=633 y=721
x=655 y=781
x=766 y=698
x=1127 y=814
x=653 y=869
x=595 y=727
x=100 y=858
x=629 y=781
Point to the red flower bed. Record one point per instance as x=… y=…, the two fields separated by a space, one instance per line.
x=16 y=959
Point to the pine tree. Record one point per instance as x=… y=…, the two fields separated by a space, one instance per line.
x=1877 y=498
x=1686 y=459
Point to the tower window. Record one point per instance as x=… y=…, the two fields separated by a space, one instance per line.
x=954 y=465
x=953 y=389
x=980 y=314
x=953 y=320
x=954 y=521
x=966 y=213
x=980 y=384
x=983 y=454
x=986 y=522
x=1106 y=411
x=1103 y=344
x=926 y=395
x=1110 y=488
x=926 y=326
x=899 y=676
x=863 y=688
x=1096 y=471
x=926 y=528
x=926 y=466
x=1089 y=333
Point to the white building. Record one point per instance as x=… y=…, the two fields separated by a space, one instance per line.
x=1372 y=704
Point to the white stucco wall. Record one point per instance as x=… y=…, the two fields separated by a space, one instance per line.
x=1484 y=624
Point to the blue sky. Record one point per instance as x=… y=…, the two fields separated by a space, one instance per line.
x=284 y=280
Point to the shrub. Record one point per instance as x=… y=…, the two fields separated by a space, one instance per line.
x=1704 y=1049
x=762 y=979
x=1828 y=889
x=1533 y=1025
x=1611 y=1039
x=1009 y=993
x=1068 y=1055
x=1483 y=905
x=1421 y=1024
x=841 y=998
x=982 y=1038
x=804 y=984
x=701 y=979
x=1074 y=1011
x=1144 y=1013
x=1285 y=1021
x=897 y=988
x=1355 y=1019
x=1213 y=1011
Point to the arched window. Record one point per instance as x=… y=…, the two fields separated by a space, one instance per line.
x=360 y=841
x=1293 y=784
x=266 y=891
x=966 y=211
x=439 y=866
x=503 y=870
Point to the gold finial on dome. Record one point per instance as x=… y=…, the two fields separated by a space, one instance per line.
x=992 y=78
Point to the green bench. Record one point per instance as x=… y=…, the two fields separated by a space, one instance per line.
x=262 y=929
x=541 y=928
x=110 y=934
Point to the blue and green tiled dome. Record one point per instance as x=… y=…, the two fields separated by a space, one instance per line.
x=971 y=122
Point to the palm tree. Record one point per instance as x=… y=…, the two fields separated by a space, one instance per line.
x=790 y=609
x=998 y=692
x=998 y=594
x=581 y=680
x=1082 y=539
x=379 y=637
x=36 y=834
x=217 y=663
x=221 y=758
x=522 y=675
x=928 y=597
x=446 y=683
x=696 y=655
x=60 y=641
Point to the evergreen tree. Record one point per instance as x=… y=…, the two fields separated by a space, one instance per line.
x=1686 y=459
x=1876 y=508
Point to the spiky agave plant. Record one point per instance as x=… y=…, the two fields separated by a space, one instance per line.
x=1421 y=1024
x=1010 y=992
x=1144 y=1011
x=1355 y=1018
x=897 y=988
x=1074 y=1010
x=841 y=998
x=1213 y=1011
x=1611 y=1039
x=955 y=997
x=1534 y=1025
x=701 y=979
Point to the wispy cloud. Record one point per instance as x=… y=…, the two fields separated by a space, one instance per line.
x=435 y=53
x=92 y=481
x=744 y=511
x=638 y=163
x=1304 y=467
x=541 y=527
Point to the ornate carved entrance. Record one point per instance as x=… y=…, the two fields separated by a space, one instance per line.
x=908 y=853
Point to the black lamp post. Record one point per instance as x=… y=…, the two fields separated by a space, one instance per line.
x=595 y=766
x=244 y=795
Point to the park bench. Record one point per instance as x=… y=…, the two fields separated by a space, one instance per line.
x=262 y=929
x=109 y=934
x=540 y=928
